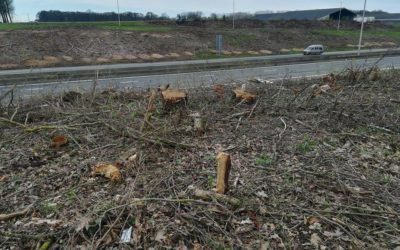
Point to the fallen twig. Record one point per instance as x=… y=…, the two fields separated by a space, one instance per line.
x=284 y=129
x=15 y=113
x=351 y=213
x=357 y=135
x=8 y=92
x=4 y=120
x=356 y=240
x=305 y=125
x=5 y=45
x=252 y=110
x=364 y=210
x=238 y=123
x=43 y=127
x=163 y=141
x=235 y=115
x=10 y=216
x=208 y=195
x=381 y=128
x=156 y=141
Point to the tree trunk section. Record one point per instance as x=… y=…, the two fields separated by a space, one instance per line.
x=224 y=168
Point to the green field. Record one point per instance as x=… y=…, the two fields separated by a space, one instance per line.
x=130 y=26
x=389 y=33
x=337 y=33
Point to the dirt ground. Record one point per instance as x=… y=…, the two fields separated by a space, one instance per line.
x=315 y=165
x=81 y=46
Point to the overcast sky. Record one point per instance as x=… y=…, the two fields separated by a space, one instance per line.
x=29 y=8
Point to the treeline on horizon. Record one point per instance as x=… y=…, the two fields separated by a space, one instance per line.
x=89 y=16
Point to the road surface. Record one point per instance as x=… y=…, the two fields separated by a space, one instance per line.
x=196 y=79
x=181 y=63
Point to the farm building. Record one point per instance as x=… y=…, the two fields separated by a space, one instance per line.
x=321 y=14
x=381 y=16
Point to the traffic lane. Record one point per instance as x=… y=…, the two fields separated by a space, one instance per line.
x=198 y=79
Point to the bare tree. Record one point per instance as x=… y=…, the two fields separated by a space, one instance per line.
x=6 y=10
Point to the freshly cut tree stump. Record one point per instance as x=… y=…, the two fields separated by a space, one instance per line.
x=199 y=122
x=172 y=96
x=224 y=168
x=244 y=95
x=219 y=90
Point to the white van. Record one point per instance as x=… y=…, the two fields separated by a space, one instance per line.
x=314 y=50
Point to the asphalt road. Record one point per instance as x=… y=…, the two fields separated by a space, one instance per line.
x=196 y=79
x=175 y=63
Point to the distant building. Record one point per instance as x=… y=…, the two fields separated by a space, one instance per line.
x=321 y=14
x=380 y=16
x=367 y=19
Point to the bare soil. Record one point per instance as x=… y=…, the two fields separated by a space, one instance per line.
x=77 y=46
x=315 y=164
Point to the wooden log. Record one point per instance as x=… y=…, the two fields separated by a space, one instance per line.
x=223 y=170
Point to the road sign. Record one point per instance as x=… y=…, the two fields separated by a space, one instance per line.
x=219 y=41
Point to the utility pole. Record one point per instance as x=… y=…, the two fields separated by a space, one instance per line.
x=119 y=15
x=362 y=28
x=233 y=14
x=340 y=14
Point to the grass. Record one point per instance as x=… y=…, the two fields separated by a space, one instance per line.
x=366 y=130
x=129 y=26
x=337 y=33
x=395 y=34
x=239 y=40
x=264 y=160
x=47 y=208
x=307 y=145
x=387 y=33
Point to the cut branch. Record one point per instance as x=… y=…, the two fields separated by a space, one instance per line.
x=209 y=196
x=4 y=217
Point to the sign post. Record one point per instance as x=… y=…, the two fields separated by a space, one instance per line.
x=362 y=28
x=219 y=41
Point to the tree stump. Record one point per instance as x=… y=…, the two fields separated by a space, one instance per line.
x=244 y=95
x=224 y=168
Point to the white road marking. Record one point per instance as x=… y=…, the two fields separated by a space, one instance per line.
x=126 y=82
x=35 y=89
x=204 y=76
